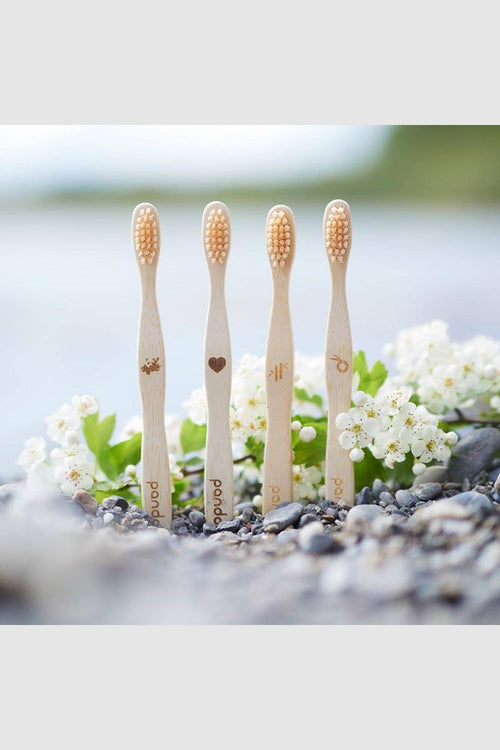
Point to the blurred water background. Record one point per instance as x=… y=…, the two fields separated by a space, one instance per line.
x=426 y=237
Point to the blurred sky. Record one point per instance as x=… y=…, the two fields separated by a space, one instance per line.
x=54 y=158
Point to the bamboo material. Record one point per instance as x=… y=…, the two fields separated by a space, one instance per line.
x=277 y=484
x=219 y=476
x=156 y=491
x=339 y=470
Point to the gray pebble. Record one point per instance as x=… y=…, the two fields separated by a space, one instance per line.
x=427 y=491
x=362 y=515
x=282 y=517
x=107 y=518
x=473 y=454
x=364 y=497
x=432 y=474
x=197 y=518
x=474 y=499
x=307 y=518
x=378 y=487
x=209 y=528
x=405 y=499
x=233 y=525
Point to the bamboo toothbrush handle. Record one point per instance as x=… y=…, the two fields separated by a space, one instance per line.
x=339 y=470
x=156 y=491
x=219 y=476
x=277 y=485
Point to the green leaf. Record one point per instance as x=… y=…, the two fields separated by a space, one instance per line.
x=193 y=436
x=127 y=452
x=98 y=434
x=369 y=380
x=256 y=449
x=312 y=453
x=302 y=395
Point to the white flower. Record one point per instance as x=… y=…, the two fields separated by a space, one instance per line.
x=76 y=451
x=84 y=405
x=32 y=454
x=195 y=406
x=304 y=481
x=391 y=447
x=257 y=501
x=296 y=425
x=394 y=400
x=61 y=421
x=73 y=476
x=431 y=445
x=451 y=438
x=356 y=455
x=307 y=434
x=411 y=420
x=373 y=408
x=357 y=429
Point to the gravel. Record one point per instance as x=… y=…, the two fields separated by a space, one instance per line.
x=430 y=554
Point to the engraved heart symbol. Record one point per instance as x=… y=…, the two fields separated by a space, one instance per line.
x=216 y=363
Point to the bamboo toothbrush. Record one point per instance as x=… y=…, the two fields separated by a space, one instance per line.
x=156 y=492
x=277 y=479
x=219 y=477
x=339 y=471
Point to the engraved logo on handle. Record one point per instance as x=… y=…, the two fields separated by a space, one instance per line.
x=217 y=363
x=278 y=371
x=154 y=496
x=342 y=365
x=338 y=487
x=151 y=365
x=218 y=500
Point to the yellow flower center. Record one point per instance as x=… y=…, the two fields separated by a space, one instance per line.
x=357 y=428
x=430 y=445
x=448 y=382
x=391 y=447
x=74 y=475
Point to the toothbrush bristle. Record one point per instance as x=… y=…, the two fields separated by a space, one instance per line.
x=217 y=236
x=337 y=233
x=279 y=238
x=146 y=234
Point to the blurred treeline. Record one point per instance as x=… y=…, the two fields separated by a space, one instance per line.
x=445 y=164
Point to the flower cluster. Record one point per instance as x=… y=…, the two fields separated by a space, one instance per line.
x=393 y=428
x=443 y=374
x=68 y=464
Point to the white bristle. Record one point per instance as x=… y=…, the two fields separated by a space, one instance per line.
x=337 y=233
x=217 y=236
x=146 y=235
x=279 y=238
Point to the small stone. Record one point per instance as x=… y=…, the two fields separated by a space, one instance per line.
x=247 y=515
x=226 y=537
x=364 y=497
x=314 y=541
x=109 y=502
x=240 y=507
x=432 y=474
x=405 y=499
x=197 y=518
x=386 y=497
x=378 y=487
x=473 y=499
x=178 y=526
x=307 y=518
x=209 y=528
x=121 y=503
x=86 y=501
x=107 y=518
x=233 y=525
x=427 y=490
x=361 y=515
x=282 y=517
x=473 y=454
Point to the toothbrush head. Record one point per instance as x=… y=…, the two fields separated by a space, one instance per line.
x=146 y=234
x=216 y=227
x=337 y=231
x=280 y=234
